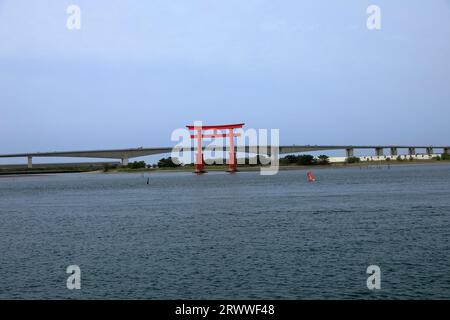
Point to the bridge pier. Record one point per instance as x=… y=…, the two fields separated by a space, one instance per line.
x=350 y=152
x=447 y=150
x=30 y=162
x=412 y=151
x=429 y=150
x=394 y=152
x=379 y=152
x=125 y=161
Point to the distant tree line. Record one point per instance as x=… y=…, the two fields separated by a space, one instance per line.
x=162 y=163
x=305 y=160
x=136 y=165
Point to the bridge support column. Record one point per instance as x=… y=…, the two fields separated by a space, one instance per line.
x=30 y=162
x=447 y=150
x=125 y=161
x=412 y=151
x=394 y=152
x=379 y=152
x=429 y=150
x=350 y=152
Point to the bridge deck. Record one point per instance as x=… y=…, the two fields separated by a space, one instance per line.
x=139 y=152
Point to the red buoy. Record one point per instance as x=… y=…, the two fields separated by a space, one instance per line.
x=310 y=176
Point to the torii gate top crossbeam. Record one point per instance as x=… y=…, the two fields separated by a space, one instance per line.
x=218 y=127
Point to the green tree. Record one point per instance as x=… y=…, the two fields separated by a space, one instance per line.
x=167 y=163
x=445 y=156
x=323 y=159
x=353 y=160
x=306 y=160
x=291 y=158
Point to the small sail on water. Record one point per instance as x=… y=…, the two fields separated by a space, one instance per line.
x=310 y=176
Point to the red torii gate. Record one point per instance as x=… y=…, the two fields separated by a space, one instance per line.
x=199 y=163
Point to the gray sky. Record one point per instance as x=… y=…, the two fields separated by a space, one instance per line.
x=136 y=70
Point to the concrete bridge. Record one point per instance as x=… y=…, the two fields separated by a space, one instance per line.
x=125 y=154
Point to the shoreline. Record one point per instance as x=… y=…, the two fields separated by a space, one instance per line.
x=243 y=168
x=223 y=168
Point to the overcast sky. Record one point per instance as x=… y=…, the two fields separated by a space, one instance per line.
x=137 y=70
